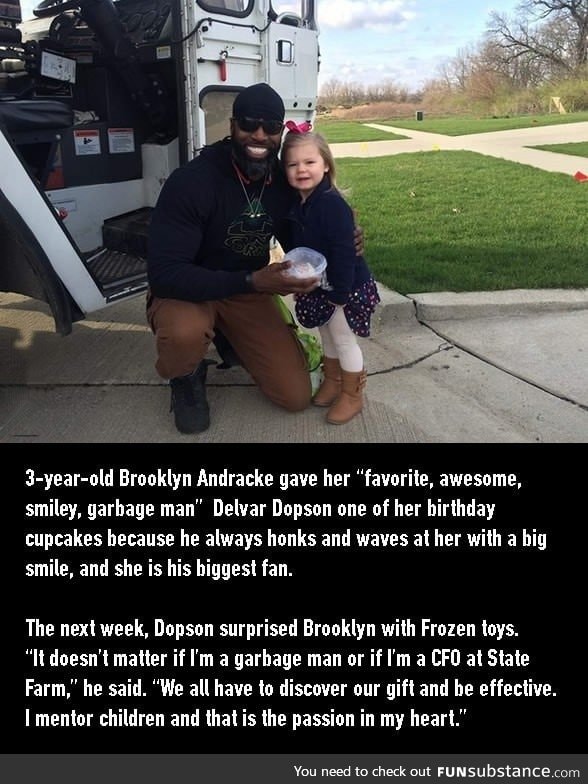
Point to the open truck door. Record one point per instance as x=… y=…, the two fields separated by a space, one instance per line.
x=99 y=103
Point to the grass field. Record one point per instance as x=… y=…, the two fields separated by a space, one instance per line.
x=460 y=126
x=573 y=148
x=460 y=221
x=336 y=131
x=347 y=131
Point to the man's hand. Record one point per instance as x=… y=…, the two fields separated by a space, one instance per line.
x=274 y=279
x=358 y=237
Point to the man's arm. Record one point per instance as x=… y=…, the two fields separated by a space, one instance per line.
x=358 y=236
x=175 y=236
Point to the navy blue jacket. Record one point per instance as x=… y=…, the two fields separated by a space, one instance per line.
x=324 y=222
x=201 y=242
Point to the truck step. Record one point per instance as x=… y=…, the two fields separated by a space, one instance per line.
x=117 y=272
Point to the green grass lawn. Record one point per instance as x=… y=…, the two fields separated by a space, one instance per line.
x=459 y=126
x=460 y=221
x=345 y=131
x=573 y=148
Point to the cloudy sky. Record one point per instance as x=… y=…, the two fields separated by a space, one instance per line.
x=366 y=41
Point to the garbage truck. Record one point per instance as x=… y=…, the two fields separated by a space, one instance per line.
x=99 y=102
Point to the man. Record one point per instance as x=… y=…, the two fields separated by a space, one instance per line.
x=208 y=265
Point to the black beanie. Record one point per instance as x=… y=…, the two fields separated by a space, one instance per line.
x=259 y=101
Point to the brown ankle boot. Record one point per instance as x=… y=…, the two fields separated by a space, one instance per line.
x=350 y=401
x=331 y=385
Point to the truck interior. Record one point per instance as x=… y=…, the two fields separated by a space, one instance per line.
x=82 y=86
x=93 y=101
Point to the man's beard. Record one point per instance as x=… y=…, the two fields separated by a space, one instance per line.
x=254 y=169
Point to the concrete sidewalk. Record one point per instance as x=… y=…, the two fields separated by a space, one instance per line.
x=515 y=145
x=443 y=368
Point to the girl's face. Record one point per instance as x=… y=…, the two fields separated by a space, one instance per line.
x=305 y=168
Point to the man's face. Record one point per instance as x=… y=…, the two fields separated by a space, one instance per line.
x=255 y=151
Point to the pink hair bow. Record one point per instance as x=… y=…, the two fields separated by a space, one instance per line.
x=303 y=127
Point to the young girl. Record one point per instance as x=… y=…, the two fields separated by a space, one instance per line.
x=323 y=220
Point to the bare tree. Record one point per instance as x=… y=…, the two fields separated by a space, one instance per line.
x=527 y=70
x=330 y=92
x=336 y=92
x=554 y=32
x=456 y=71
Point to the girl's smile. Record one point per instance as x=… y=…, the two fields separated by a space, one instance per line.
x=305 y=168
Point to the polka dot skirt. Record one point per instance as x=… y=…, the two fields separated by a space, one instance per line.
x=314 y=309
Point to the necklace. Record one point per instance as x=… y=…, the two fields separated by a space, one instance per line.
x=255 y=206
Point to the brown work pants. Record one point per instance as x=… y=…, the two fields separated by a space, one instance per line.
x=265 y=344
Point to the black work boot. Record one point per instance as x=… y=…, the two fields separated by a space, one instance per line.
x=188 y=400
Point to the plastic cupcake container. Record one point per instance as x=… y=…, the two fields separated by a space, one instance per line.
x=306 y=263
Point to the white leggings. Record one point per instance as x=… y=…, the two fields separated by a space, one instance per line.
x=340 y=342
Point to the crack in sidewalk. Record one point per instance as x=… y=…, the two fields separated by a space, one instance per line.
x=445 y=346
x=511 y=373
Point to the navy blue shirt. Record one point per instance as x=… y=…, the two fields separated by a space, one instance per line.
x=203 y=239
x=324 y=222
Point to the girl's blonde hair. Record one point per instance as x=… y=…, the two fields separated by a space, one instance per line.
x=293 y=139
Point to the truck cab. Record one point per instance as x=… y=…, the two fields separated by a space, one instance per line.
x=99 y=102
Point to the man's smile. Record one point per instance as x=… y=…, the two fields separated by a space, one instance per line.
x=256 y=151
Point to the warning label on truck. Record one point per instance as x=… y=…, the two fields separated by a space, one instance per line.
x=87 y=142
x=121 y=140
